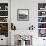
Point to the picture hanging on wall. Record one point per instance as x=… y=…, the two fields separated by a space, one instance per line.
x=22 y=14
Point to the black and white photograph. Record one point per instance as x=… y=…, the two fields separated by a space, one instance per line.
x=23 y=14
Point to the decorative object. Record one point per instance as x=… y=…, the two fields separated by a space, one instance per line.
x=3 y=13
x=43 y=13
x=41 y=19
x=0 y=7
x=24 y=37
x=23 y=14
x=43 y=25
x=4 y=29
x=41 y=6
x=6 y=7
x=3 y=19
x=42 y=33
x=31 y=27
x=13 y=27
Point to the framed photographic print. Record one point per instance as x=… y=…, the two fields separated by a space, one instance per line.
x=23 y=14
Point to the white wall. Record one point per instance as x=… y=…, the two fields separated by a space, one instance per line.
x=32 y=5
x=24 y=4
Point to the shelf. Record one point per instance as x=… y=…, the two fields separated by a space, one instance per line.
x=3 y=22
x=41 y=22
x=3 y=16
x=3 y=10
x=41 y=28
x=42 y=16
x=41 y=10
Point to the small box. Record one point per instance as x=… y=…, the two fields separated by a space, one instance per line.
x=43 y=12
x=6 y=7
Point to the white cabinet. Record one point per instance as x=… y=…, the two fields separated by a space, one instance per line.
x=4 y=21
x=42 y=19
x=41 y=41
x=3 y=40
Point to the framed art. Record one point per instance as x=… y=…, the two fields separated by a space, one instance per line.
x=23 y=14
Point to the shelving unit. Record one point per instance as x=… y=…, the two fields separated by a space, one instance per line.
x=4 y=19
x=41 y=10
x=42 y=19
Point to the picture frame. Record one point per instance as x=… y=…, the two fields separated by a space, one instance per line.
x=22 y=14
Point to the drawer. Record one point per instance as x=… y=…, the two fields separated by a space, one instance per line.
x=3 y=41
